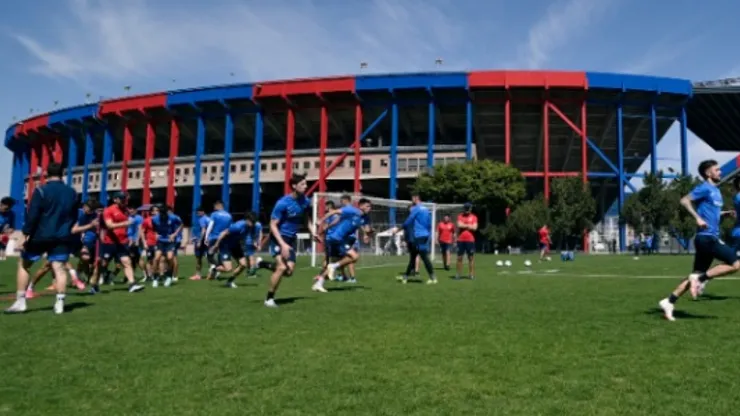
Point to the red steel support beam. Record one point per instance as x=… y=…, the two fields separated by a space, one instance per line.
x=34 y=169
x=358 y=145
x=584 y=162
x=289 y=146
x=58 y=153
x=323 y=144
x=546 y=147
x=507 y=130
x=174 y=146
x=45 y=156
x=127 y=151
x=146 y=195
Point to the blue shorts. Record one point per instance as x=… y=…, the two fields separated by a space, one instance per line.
x=465 y=248
x=200 y=249
x=337 y=249
x=544 y=246
x=166 y=247
x=113 y=251
x=54 y=251
x=228 y=251
x=422 y=244
x=709 y=248
x=275 y=248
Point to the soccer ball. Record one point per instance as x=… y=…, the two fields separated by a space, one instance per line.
x=527 y=263
x=507 y=263
x=499 y=263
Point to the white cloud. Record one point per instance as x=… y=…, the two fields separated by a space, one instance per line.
x=562 y=23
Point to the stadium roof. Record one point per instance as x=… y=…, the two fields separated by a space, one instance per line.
x=714 y=113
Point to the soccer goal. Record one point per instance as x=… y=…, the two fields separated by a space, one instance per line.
x=382 y=248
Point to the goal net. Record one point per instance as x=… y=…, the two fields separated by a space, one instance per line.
x=382 y=248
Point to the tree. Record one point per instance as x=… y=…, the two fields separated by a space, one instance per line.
x=682 y=224
x=523 y=223
x=652 y=207
x=572 y=209
x=490 y=186
x=633 y=212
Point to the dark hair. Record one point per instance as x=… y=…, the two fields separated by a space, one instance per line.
x=7 y=201
x=330 y=204
x=297 y=178
x=363 y=201
x=345 y=197
x=200 y=209
x=250 y=216
x=54 y=170
x=415 y=194
x=170 y=208
x=703 y=166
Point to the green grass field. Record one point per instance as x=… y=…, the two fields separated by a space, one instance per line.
x=586 y=340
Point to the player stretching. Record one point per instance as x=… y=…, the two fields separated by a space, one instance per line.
x=340 y=239
x=708 y=200
x=230 y=244
x=167 y=226
x=220 y=222
x=7 y=222
x=52 y=212
x=197 y=235
x=545 y=241
x=287 y=217
x=445 y=233
x=421 y=220
x=467 y=224
x=114 y=241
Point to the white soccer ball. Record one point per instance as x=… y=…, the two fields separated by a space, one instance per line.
x=499 y=263
x=507 y=263
x=527 y=263
x=548 y=258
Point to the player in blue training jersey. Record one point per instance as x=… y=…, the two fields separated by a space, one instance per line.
x=220 y=221
x=7 y=223
x=178 y=245
x=253 y=243
x=234 y=243
x=135 y=248
x=341 y=238
x=408 y=238
x=420 y=218
x=325 y=226
x=167 y=226
x=197 y=237
x=708 y=212
x=287 y=218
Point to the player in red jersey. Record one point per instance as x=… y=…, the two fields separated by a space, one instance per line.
x=148 y=236
x=545 y=241
x=114 y=240
x=467 y=225
x=445 y=237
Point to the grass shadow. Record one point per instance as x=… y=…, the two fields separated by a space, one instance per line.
x=347 y=288
x=679 y=314
x=716 y=297
x=69 y=307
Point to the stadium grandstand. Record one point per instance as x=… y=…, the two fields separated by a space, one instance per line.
x=370 y=134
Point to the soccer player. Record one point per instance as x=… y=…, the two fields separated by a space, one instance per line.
x=48 y=230
x=220 y=222
x=253 y=243
x=421 y=220
x=467 y=225
x=324 y=228
x=230 y=243
x=287 y=217
x=167 y=226
x=545 y=241
x=708 y=200
x=148 y=236
x=7 y=223
x=197 y=237
x=408 y=237
x=87 y=219
x=178 y=245
x=445 y=233
x=135 y=249
x=114 y=241
x=340 y=239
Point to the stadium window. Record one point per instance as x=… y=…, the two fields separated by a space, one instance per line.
x=263 y=167
x=328 y=163
x=186 y=171
x=384 y=163
x=177 y=171
x=221 y=168
x=413 y=165
x=316 y=164
x=283 y=165
x=243 y=168
x=306 y=165
x=352 y=163
x=341 y=164
x=366 y=165
x=273 y=166
x=130 y=174
x=138 y=174
x=214 y=169
x=233 y=168
x=251 y=167
x=402 y=164
x=295 y=165
x=422 y=162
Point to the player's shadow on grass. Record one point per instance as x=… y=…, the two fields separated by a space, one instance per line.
x=346 y=288
x=287 y=301
x=679 y=314
x=716 y=297
x=69 y=307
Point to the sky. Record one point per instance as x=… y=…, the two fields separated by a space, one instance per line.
x=61 y=50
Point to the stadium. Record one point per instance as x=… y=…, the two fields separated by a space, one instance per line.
x=369 y=134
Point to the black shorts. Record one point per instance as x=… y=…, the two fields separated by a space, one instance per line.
x=709 y=248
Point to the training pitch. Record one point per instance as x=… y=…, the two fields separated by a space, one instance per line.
x=580 y=338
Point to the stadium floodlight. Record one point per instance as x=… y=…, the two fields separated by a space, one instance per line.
x=363 y=65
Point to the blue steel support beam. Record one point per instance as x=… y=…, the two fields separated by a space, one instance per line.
x=71 y=157
x=200 y=143
x=88 y=161
x=684 y=143
x=469 y=129
x=228 y=148
x=16 y=186
x=653 y=140
x=259 y=133
x=393 y=182
x=107 y=157
x=620 y=172
x=432 y=133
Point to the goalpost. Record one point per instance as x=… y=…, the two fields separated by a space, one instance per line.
x=383 y=248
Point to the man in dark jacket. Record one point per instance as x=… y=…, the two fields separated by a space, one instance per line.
x=52 y=213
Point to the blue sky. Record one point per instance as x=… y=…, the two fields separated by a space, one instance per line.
x=64 y=49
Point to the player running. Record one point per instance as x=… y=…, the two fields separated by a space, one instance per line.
x=340 y=239
x=220 y=222
x=708 y=200
x=230 y=244
x=197 y=237
x=167 y=227
x=467 y=224
x=287 y=217
x=148 y=239
x=253 y=243
x=445 y=235
x=421 y=220
x=135 y=249
x=545 y=241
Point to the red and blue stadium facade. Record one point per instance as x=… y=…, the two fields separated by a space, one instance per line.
x=549 y=124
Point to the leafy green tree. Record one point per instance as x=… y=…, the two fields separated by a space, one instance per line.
x=652 y=207
x=633 y=212
x=523 y=223
x=682 y=224
x=572 y=209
